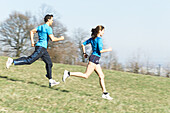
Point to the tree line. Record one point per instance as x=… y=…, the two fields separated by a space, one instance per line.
x=15 y=42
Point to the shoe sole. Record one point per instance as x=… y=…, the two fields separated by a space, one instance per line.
x=8 y=65
x=107 y=98
x=63 y=77
x=51 y=85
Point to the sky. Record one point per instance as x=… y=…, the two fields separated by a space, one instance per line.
x=131 y=26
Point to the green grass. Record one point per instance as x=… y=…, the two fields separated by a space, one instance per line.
x=24 y=89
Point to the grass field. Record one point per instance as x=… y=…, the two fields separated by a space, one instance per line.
x=24 y=89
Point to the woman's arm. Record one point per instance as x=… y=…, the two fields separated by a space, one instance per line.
x=100 y=46
x=106 y=50
x=83 y=47
x=84 y=51
x=55 y=38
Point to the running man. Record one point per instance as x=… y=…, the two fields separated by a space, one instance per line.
x=44 y=33
x=93 y=65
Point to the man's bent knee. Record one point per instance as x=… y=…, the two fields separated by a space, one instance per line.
x=49 y=64
x=30 y=62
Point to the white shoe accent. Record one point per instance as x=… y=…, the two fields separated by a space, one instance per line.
x=9 y=62
x=65 y=75
x=53 y=83
x=51 y=80
x=107 y=96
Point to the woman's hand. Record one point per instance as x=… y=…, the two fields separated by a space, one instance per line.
x=110 y=49
x=33 y=45
x=85 y=55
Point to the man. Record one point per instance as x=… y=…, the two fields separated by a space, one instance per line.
x=45 y=33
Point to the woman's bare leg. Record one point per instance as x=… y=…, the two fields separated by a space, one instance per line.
x=90 y=68
x=99 y=71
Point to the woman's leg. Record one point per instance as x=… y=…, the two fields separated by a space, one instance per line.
x=99 y=71
x=90 y=68
x=105 y=94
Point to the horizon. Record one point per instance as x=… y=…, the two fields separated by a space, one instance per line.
x=130 y=25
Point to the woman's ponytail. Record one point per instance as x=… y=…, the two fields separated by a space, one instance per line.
x=95 y=31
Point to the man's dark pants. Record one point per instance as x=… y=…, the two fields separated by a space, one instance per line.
x=40 y=52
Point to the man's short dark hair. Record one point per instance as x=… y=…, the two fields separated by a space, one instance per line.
x=47 y=17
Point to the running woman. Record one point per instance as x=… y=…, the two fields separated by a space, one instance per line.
x=45 y=33
x=93 y=65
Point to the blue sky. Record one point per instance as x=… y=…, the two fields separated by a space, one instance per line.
x=131 y=25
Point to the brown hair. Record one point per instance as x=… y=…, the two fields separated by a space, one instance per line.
x=47 y=17
x=96 y=30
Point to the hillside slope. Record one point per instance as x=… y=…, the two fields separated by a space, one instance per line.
x=25 y=89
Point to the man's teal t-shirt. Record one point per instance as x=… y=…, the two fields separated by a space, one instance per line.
x=97 y=45
x=43 y=33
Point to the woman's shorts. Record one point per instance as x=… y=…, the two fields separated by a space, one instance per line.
x=94 y=59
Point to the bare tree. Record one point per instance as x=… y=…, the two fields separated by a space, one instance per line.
x=1 y=52
x=134 y=64
x=62 y=51
x=47 y=9
x=114 y=63
x=148 y=66
x=167 y=70
x=15 y=32
x=79 y=36
x=58 y=30
x=111 y=61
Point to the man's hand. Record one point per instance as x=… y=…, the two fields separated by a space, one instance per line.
x=110 y=49
x=61 y=37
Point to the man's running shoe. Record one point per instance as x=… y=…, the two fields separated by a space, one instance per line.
x=53 y=83
x=9 y=62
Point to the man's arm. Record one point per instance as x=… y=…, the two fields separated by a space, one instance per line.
x=32 y=32
x=55 y=38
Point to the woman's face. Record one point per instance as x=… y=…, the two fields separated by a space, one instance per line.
x=101 y=32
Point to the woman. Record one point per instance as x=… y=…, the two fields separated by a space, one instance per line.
x=93 y=65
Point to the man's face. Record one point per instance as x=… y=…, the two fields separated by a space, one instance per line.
x=50 y=21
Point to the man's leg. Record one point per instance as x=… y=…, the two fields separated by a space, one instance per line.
x=46 y=58
x=39 y=51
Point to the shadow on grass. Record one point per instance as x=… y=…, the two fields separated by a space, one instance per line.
x=11 y=79
x=34 y=83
